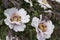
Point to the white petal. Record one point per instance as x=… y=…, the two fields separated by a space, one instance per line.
x=26 y=0
x=41 y=33
x=39 y=1
x=8 y=23
x=49 y=30
x=47 y=36
x=20 y=27
x=49 y=25
x=40 y=17
x=7 y=38
x=25 y=19
x=31 y=4
x=22 y=12
x=48 y=6
x=9 y=12
x=39 y=37
x=35 y=22
x=48 y=11
x=45 y=6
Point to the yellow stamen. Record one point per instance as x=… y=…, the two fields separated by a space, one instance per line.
x=15 y=17
x=42 y=27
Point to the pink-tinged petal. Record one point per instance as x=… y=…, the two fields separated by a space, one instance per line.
x=25 y=19
x=8 y=23
x=22 y=12
x=20 y=27
x=35 y=22
x=9 y=12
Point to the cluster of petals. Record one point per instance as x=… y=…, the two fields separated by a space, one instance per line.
x=16 y=19
x=43 y=28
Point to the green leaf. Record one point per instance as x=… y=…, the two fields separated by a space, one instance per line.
x=1 y=21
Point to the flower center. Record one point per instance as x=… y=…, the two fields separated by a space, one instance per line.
x=15 y=17
x=42 y=27
x=44 y=1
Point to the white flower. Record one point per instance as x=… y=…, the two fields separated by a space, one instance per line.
x=44 y=28
x=29 y=1
x=44 y=4
x=16 y=19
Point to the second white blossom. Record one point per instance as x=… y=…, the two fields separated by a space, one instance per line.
x=44 y=28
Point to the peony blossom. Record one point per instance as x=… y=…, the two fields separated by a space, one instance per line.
x=43 y=28
x=16 y=19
